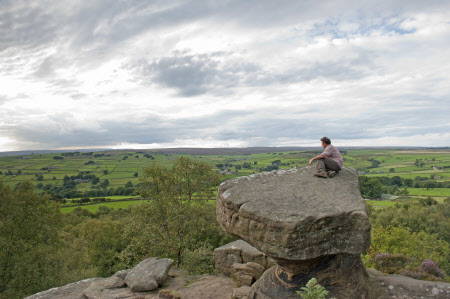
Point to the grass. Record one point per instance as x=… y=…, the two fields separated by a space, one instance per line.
x=381 y=203
x=444 y=192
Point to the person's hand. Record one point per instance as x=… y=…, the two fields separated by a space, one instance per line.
x=310 y=161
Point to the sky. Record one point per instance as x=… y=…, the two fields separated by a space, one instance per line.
x=228 y=73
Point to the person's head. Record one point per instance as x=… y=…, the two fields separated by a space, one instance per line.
x=325 y=141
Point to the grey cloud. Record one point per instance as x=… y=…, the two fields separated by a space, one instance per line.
x=269 y=127
x=218 y=73
x=192 y=75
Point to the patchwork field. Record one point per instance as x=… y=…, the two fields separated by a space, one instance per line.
x=111 y=172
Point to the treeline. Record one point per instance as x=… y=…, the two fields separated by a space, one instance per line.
x=100 y=187
x=374 y=187
x=274 y=165
x=41 y=248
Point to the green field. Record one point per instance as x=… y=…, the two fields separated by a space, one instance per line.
x=440 y=192
x=121 y=167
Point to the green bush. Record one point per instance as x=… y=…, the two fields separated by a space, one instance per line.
x=313 y=290
x=416 y=246
x=199 y=261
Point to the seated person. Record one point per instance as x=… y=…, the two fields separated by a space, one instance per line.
x=329 y=162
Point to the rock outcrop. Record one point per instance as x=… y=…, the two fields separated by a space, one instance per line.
x=311 y=227
x=148 y=275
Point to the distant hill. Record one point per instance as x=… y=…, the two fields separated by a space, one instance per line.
x=216 y=151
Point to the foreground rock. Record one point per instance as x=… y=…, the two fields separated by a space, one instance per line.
x=385 y=286
x=179 y=285
x=72 y=290
x=311 y=227
x=148 y=274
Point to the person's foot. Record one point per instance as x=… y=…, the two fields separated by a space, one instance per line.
x=331 y=173
x=321 y=174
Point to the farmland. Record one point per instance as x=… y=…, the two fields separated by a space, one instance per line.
x=71 y=176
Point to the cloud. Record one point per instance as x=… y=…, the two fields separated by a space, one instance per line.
x=102 y=73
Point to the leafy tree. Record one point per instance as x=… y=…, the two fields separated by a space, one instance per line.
x=28 y=240
x=370 y=187
x=169 y=225
x=193 y=176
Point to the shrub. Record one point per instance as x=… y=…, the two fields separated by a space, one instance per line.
x=313 y=290
x=432 y=268
x=417 y=246
x=390 y=263
x=199 y=261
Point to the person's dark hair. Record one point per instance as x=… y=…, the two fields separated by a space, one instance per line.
x=325 y=140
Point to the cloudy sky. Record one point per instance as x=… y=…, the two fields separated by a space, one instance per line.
x=207 y=73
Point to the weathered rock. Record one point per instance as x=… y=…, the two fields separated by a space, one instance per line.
x=242 y=279
x=169 y=294
x=69 y=291
x=148 y=274
x=122 y=273
x=240 y=293
x=343 y=275
x=294 y=215
x=255 y=270
x=238 y=251
x=209 y=287
x=96 y=289
x=311 y=227
x=392 y=286
x=120 y=293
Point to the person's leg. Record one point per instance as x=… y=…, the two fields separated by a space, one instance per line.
x=330 y=164
x=321 y=168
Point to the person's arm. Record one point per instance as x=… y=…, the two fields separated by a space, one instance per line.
x=320 y=156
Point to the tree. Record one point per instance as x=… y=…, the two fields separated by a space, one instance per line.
x=28 y=240
x=172 y=223
x=194 y=177
x=104 y=183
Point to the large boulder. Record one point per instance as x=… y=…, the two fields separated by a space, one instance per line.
x=294 y=215
x=310 y=226
x=148 y=274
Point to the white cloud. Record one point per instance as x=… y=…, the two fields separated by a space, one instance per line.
x=232 y=73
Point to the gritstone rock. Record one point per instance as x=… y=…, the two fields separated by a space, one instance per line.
x=311 y=227
x=238 y=251
x=148 y=274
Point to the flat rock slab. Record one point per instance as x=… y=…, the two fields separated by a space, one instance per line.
x=72 y=290
x=293 y=215
x=148 y=274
